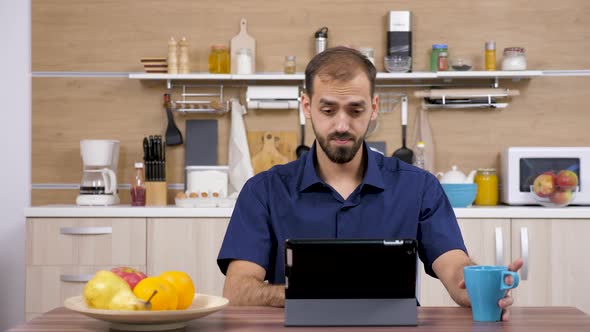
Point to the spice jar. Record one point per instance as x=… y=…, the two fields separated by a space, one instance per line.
x=514 y=59
x=436 y=50
x=487 y=187
x=290 y=64
x=369 y=53
x=443 y=61
x=219 y=60
x=244 y=61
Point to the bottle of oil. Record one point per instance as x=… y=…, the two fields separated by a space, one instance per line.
x=490 y=55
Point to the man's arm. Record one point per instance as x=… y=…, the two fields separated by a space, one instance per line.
x=449 y=269
x=244 y=285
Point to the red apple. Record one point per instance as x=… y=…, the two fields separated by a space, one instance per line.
x=544 y=184
x=566 y=179
x=561 y=196
x=130 y=275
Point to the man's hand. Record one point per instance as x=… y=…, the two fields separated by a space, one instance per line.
x=507 y=300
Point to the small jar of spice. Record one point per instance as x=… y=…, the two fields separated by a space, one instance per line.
x=443 y=61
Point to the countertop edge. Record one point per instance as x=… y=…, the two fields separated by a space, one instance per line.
x=171 y=211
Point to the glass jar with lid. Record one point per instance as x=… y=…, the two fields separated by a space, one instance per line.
x=514 y=58
x=244 y=61
x=219 y=60
x=369 y=53
x=290 y=64
x=487 y=186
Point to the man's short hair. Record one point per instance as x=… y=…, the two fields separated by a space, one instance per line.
x=340 y=64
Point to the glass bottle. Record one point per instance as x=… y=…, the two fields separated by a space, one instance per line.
x=490 y=55
x=290 y=65
x=487 y=187
x=419 y=155
x=138 y=187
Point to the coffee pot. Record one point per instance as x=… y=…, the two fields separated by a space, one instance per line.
x=99 y=180
x=455 y=176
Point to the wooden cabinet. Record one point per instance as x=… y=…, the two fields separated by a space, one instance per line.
x=559 y=273
x=488 y=243
x=64 y=253
x=190 y=245
x=556 y=249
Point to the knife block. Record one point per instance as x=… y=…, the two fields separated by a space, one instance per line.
x=156 y=193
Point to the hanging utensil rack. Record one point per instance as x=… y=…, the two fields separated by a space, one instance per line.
x=465 y=98
x=188 y=104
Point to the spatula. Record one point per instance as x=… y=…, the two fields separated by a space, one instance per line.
x=173 y=134
x=404 y=154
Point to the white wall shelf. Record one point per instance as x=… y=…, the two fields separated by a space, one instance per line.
x=446 y=75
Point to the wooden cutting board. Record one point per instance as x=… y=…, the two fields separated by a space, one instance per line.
x=242 y=40
x=269 y=148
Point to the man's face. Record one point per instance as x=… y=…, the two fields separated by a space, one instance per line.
x=340 y=113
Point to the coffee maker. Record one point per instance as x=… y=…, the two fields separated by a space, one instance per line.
x=99 y=180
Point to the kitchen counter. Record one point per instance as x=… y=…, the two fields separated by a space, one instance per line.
x=171 y=211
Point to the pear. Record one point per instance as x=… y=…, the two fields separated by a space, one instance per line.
x=106 y=290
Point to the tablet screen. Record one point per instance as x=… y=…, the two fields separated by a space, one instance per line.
x=338 y=269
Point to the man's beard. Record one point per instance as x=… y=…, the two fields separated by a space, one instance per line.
x=340 y=154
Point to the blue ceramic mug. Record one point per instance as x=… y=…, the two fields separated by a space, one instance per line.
x=486 y=285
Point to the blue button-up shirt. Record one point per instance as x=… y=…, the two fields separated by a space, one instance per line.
x=394 y=200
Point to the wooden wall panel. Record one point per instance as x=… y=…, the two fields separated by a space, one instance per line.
x=111 y=36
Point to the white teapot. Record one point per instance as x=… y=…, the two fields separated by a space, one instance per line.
x=455 y=176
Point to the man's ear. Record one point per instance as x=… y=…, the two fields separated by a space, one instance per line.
x=375 y=107
x=306 y=104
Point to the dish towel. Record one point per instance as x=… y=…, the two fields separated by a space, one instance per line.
x=240 y=165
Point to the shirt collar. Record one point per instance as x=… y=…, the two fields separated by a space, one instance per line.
x=373 y=176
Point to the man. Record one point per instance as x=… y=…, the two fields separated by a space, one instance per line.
x=339 y=189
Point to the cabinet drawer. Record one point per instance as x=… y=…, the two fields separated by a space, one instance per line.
x=71 y=241
x=47 y=287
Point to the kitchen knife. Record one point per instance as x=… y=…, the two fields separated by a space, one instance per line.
x=146 y=157
x=157 y=157
x=164 y=160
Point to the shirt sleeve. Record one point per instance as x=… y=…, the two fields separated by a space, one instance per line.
x=248 y=233
x=438 y=230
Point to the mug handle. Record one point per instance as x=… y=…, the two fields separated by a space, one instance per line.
x=515 y=280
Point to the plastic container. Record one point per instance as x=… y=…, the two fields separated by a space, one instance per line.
x=487 y=187
x=244 y=61
x=436 y=49
x=137 y=190
x=514 y=59
x=419 y=155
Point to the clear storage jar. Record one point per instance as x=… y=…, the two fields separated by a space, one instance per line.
x=514 y=58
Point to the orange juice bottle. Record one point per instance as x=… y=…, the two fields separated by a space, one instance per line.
x=487 y=187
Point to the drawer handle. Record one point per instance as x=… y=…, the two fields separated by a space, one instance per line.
x=86 y=230
x=524 y=247
x=499 y=246
x=76 y=277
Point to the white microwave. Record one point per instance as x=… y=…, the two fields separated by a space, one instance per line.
x=520 y=166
